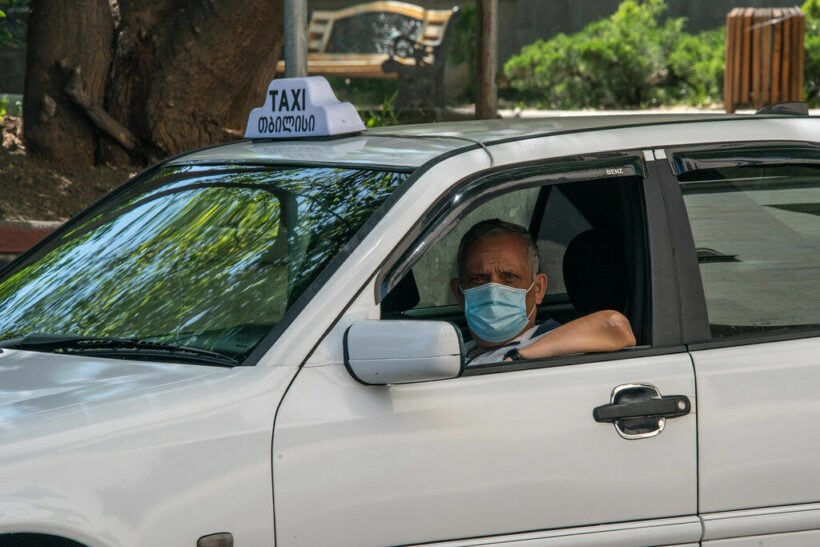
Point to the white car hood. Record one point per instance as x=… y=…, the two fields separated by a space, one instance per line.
x=108 y=448
x=42 y=393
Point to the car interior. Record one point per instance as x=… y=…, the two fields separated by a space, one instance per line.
x=592 y=241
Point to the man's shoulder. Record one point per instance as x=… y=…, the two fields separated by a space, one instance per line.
x=496 y=355
x=543 y=328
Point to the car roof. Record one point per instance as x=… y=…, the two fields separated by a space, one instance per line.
x=410 y=146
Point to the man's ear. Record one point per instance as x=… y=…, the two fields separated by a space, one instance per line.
x=540 y=287
x=457 y=292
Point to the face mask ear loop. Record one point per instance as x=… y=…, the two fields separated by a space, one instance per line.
x=534 y=306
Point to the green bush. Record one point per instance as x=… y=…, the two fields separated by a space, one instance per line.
x=696 y=68
x=811 y=58
x=633 y=59
x=620 y=61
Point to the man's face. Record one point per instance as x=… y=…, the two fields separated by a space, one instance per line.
x=500 y=258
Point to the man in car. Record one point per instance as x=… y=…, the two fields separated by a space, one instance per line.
x=499 y=287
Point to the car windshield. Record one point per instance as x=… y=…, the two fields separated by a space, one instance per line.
x=206 y=258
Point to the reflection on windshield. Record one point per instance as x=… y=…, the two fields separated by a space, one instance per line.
x=206 y=258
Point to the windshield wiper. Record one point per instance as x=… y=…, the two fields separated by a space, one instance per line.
x=116 y=347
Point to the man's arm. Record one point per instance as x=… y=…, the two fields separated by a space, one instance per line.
x=605 y=330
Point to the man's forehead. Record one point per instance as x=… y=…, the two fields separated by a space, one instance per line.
x=496 y=246
x=500 y=240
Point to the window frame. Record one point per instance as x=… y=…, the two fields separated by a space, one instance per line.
x=698 y=333
x=660 y=300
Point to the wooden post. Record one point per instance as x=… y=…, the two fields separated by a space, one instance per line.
x=745 y=75
x=777 y=55
x=731 y=80
x=486 y=106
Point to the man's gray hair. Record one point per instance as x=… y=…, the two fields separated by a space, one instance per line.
x=495 y=226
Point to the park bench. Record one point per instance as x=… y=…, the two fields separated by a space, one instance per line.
x=385 y=39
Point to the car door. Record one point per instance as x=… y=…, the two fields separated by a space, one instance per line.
x=506 y=453
x=754 y=218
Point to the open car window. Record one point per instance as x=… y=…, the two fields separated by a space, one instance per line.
x=590 y=229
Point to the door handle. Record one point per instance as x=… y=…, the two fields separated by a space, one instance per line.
x=668 y=406
x=639 y=411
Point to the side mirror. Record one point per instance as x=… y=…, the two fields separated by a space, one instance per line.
x=401 y=352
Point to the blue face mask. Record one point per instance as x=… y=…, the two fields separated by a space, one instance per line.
x=496 y=312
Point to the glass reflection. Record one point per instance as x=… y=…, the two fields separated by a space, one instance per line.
x=200 y=257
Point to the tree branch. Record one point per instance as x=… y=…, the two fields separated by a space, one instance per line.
x=99 y=117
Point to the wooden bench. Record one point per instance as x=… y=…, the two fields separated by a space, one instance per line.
x=385 y=39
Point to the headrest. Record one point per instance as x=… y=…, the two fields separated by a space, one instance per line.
x=595 y=271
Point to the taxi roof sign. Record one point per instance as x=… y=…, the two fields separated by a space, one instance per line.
x=302 y=107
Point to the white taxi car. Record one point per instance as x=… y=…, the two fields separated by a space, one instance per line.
x=255 y=344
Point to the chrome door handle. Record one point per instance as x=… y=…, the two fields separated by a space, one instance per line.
x=639 y=411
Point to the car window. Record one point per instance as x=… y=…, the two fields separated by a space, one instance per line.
x=589 y=229
x=561 y=223
x=208 y=257
x=435 y=268
x=756 y=228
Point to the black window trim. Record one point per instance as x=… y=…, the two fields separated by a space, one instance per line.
x=678 y=269
x=572 y=359
x=735 y=147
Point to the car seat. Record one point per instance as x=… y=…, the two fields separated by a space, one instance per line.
x=595 y=273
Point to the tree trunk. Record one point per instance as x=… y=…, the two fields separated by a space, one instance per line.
x=486 y=106
x=69 y=43
x=186 y=76
x=179 y=75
